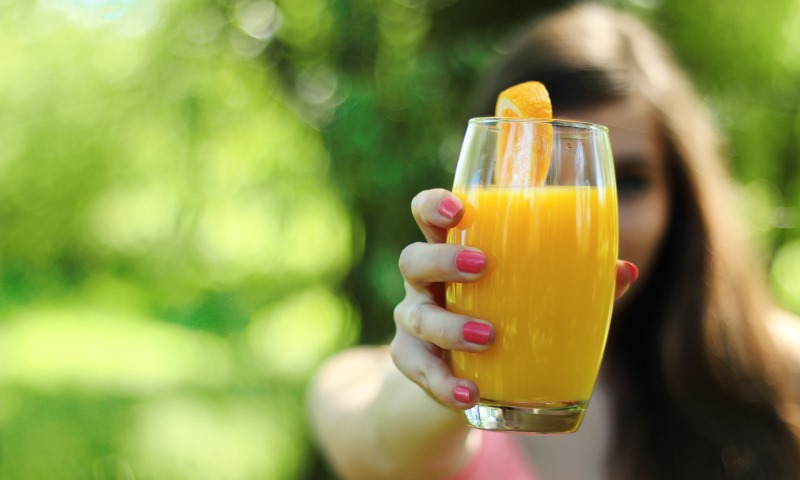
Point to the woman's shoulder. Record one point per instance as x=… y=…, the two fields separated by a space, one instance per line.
x=785 y=330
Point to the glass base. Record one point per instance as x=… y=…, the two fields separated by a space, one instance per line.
x=561 y=417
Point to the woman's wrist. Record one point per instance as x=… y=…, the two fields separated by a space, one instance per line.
x=424 y=438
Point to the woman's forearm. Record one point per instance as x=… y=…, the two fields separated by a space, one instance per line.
x=374 y=423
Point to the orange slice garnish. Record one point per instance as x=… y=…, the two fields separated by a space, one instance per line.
x=523 y=149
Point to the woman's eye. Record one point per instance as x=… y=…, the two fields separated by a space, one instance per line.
x=632 y=184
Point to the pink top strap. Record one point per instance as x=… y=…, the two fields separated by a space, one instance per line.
x=498 y=458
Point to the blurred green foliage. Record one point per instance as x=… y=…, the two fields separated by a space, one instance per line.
x=171 y=245
x=200 y=200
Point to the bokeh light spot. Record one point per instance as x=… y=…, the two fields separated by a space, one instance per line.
x=292 y=338
x=259 y=19
x=55 y=349
x=188 y=438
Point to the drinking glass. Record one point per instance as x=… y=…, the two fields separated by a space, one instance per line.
x=541 y=203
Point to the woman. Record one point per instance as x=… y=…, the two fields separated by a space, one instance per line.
x=701 y=376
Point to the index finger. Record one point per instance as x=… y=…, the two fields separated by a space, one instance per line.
x=436 y=211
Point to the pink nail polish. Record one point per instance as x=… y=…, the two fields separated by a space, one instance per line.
x=449 y=207
x=476 y=332
x=632 y=268
x=462 y=394
x=469 y=261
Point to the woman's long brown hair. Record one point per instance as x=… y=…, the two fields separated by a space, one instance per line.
x=699 y=390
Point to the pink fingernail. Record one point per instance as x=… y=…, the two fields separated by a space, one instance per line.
x=476 y=332
x=462 y=394
x=632 y=268
x=470 y=261
x=449 y=207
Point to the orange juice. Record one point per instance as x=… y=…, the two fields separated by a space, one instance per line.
x=548 y=289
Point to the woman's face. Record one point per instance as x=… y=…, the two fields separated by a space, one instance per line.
x=642 y=183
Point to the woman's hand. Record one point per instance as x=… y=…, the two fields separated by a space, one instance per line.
x=425 y=331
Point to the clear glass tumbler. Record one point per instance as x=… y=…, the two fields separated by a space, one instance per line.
x=541 y=203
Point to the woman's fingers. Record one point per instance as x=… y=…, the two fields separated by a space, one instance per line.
x=423 y=263
x=426 y=367
x=425 y=331
x=431 y=323
x=435 y=211
x=627 y=273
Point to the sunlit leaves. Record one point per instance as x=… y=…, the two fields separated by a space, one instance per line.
x=138 y=152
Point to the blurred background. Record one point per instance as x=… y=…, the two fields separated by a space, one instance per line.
x=200 y=200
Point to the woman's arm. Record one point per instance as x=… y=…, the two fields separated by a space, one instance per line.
x=369 y=413
x=385 y=413
x=373 y=423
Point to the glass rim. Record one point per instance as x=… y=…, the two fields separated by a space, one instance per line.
x=554 y=122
